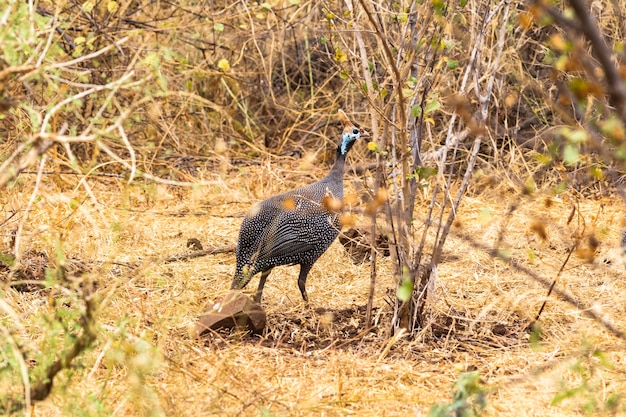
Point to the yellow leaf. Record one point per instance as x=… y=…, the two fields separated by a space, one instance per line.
x=331 y=203
x=88 y=6
x=223 y=64
x=351 y=199
x=340 y=56
x=407 y=92
x=525 y=20
x=381 y=196
x=511 y=99
x=347 y=220
x=557 y=42
x=112 y=6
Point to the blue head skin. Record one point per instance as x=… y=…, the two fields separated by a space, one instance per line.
x=349 y=136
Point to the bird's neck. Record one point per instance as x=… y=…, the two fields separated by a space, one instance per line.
x=336 y=172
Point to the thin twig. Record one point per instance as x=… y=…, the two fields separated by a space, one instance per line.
x=554 y=281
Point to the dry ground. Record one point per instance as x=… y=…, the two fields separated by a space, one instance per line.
x=315 y=360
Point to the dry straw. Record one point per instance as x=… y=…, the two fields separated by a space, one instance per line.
x=166 y=143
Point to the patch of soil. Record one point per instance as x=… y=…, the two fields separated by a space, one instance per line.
x=311 y=330
x=496 y=334
x=32 y=268
x=320 y=329
x=308 y=330
x=315 y=329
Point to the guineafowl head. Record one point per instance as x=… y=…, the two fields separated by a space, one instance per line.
x=351 y=133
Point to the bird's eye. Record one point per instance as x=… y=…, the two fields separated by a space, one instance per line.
x=355 y=131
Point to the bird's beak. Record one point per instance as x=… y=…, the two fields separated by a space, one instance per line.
x=364 y=133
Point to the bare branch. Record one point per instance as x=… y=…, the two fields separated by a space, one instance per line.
x=617 y=86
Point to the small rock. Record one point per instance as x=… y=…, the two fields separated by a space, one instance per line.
x=233 y=310
x=194 y=244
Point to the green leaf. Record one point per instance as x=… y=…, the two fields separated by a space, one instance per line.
x=439 y=410
x=543 y=159
x=265 y=412
x=504 y=254
x=484 y=216
x=439 y=6
x=578 y=136
x=152 y=59
x=416 y=110
x=613 y=128
x=604 y=360
x=423 y=172
x=407 y=92
x=529 y=185
x=612 y=402
x=432 y=106
x=218 y=27
x=535 y=337
x=88 y=6
x=596 y=172
x=10 y=54
x=570 y=154
x=405 y=290
x=560 y=187
x=452 y=64
x=6 y=259
x=563 y=395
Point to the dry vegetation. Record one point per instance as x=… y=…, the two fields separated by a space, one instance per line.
x=130 y=128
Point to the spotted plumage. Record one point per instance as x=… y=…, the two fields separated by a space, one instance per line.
x=295 y=227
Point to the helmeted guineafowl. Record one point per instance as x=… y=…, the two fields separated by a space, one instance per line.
x=295 y=227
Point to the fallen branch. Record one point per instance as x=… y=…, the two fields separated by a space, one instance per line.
x=197 y=254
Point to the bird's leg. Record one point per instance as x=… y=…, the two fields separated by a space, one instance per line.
x=304 y=272
x=259 y=291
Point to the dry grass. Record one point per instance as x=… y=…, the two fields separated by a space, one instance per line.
x=317 y=360
x=165 y=106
